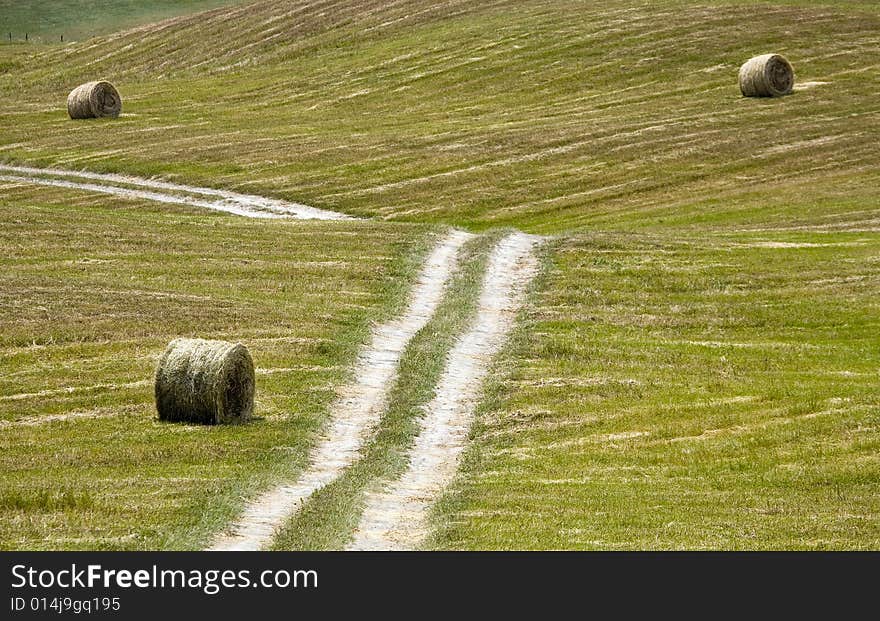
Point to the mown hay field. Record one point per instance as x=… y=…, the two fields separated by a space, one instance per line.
x=543 y=115
x=91 y=292
x=46 y=21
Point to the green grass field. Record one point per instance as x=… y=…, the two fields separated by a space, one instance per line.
x=697 y=366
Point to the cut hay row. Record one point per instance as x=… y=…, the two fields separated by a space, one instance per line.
x=356 y=413
x=396 y=518
x=166 y=192
x=38 y=421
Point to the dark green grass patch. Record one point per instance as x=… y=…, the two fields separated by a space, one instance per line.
x=46 y=21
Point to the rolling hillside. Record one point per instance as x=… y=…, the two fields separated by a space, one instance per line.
x=695 y=366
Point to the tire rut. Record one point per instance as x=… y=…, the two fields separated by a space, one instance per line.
x=396 y=519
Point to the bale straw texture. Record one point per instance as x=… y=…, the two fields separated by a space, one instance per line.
x=206 y=382
x=94 y=100
x=768 y=75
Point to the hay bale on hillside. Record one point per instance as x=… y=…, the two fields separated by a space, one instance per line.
x=207 y=382
x=768 y=75
x=93 y=100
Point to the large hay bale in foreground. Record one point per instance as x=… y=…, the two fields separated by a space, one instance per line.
x=207 y=382
x=93 y=100
x=768 y=75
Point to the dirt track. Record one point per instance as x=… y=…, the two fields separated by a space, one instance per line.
x=358 y=410
x=396 y=518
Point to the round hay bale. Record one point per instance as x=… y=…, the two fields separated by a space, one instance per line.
x=93 y=100
x=768 y=75
x=206 y=382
